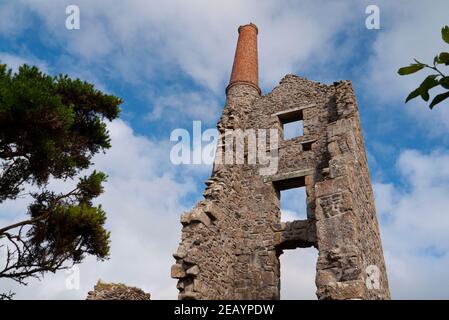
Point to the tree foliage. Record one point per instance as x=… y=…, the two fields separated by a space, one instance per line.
x=433 y=80
x=50 y=128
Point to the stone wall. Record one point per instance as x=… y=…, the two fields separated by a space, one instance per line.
x=347 y=228
x=232 y=240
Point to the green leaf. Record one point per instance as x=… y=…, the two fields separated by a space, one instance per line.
x=445 y=34
x=444 y=58
x=410 y=69
x=428 y=83
x=423 y=90
x=415 y=93
x=436 y=60
x=444 y=82
x=439 y=98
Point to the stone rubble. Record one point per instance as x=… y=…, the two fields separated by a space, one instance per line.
x=116 y=291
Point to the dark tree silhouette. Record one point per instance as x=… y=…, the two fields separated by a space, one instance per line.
x=50 y=128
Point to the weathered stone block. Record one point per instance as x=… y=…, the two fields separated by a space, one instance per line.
x=193 y=271
x=177 y=271
x=334 y=204
x=349 y=290
x=180 y=253
x=337 y=231
x=332 y=186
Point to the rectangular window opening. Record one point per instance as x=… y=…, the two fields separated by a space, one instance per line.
x=293 y=199
x=293 y=129
x=292 y=124
x=307 y=146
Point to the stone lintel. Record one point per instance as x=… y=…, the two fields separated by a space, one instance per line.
x=289 y=175
x=285 y=113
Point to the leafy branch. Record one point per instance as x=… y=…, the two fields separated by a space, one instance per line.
x=437 y=79
x=61 y=230
x=7 y=296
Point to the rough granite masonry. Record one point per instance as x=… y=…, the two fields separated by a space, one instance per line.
x=231 y=241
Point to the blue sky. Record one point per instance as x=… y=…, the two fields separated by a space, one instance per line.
x=170 y=61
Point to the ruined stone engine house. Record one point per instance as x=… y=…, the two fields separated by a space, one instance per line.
x=232 y=240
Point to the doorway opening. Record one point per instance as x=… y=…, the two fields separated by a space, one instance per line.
x=298 y=270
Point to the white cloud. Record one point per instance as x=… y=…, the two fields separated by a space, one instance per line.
x=143 y=201
x=179 y=106
x=298 y=269
x=142 y=40
x=12 y=18
x=409 y=30
x=293 y=204
x=15 y=61
x=414 y=222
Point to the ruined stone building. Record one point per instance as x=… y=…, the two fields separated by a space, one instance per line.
x=232 y=240
x=116 y=291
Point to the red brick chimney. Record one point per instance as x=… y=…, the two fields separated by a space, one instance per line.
x=245 y=69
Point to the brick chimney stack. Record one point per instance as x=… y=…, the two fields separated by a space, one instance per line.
x=245 y=68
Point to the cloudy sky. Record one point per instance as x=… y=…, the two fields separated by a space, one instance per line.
x=170 y=62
